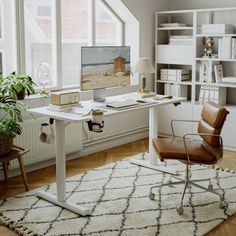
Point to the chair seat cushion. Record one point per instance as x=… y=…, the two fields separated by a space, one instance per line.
x=173 y=148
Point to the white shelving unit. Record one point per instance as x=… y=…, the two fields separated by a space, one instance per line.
x=190 y=56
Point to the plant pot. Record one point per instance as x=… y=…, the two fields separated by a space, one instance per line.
x=5 y=146
x=21 y=95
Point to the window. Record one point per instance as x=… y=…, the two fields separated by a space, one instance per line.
x=74 y=33
x=43 y=11
x=38 y=41
x=107 y=26
x=55 y=31
x=7 y=55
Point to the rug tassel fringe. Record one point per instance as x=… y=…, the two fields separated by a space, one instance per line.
x=12 y=225
x=222 y=169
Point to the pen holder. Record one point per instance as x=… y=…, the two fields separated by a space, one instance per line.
x=96 y=122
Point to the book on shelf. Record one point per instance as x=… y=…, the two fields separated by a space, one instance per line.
x=227 y=48
x=218 y=69
x=212 y=93
x=183 y=40
x=177 y=78
x=231 y=80
x=233 y=48
x=176 y=90
x=175 y=72
x=206 y=73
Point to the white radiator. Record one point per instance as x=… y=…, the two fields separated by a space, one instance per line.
x=40 y=151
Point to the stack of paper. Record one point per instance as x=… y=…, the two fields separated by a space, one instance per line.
x=172 y=25
x=175 y=74
x=214 y=29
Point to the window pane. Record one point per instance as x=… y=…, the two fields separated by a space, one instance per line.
x=74 y=15
x=7 y=49
x=38 y=38
x=107 y=26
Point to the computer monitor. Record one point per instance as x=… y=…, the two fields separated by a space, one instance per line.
x=104 y=67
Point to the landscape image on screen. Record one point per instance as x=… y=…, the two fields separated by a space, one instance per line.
x=103 y=67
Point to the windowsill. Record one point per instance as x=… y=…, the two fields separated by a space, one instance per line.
x=38 y=100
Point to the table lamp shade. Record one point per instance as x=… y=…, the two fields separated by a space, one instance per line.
x=143 y=66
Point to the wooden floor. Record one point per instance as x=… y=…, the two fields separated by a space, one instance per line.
x=47 y=175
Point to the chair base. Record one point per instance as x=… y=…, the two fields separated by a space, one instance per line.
x=187 y=182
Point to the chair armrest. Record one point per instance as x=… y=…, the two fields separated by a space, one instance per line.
x=187 y=121
x=201 y=134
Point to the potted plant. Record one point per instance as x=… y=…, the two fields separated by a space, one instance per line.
x=17 y=85
x=11 y=116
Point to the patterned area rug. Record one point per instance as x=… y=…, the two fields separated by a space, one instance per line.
x=118 y=195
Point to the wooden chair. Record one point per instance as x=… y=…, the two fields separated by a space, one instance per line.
x=15 y=153
x=208 y=151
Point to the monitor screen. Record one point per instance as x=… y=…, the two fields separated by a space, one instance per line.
x=104 y=67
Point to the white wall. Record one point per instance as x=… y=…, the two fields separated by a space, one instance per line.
x=199 y=4
x=144 y=11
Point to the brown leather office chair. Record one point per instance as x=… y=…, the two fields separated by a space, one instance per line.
x=208 y=151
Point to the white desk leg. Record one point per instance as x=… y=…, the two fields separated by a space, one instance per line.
x=60 y=198
x=154 y=162
x=153 y=130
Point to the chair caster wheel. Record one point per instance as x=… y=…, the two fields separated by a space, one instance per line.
x=180 y=210
x=151 y=196
x=223 y=204
x=210 y=187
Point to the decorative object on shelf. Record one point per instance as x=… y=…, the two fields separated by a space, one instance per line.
x=17 y=85
x=144 y=67
x=96 y=123
x=209 y=47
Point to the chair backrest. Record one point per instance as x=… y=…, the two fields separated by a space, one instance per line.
x=213 y=118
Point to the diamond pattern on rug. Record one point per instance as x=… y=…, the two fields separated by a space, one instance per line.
x=118 y=196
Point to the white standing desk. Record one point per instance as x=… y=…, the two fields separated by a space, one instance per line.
x=63 y=118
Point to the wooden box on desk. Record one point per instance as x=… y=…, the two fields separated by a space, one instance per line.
x=65 y=97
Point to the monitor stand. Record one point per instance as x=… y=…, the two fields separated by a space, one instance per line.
x=99 y=95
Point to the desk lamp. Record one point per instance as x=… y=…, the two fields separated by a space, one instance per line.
x=143 y=67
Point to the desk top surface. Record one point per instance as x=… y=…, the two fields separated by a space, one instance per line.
x=81 y=112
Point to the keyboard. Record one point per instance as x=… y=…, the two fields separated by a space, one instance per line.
x=123 y=104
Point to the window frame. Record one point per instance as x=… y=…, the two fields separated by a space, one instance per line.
x=57 y=39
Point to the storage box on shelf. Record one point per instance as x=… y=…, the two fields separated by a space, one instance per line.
x=175 y=74
x=180 y=40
